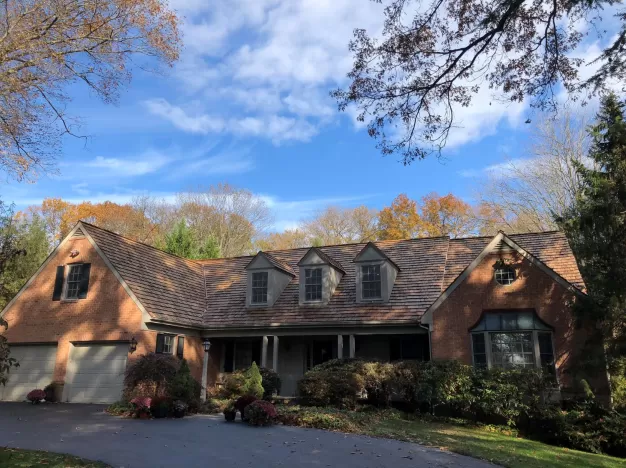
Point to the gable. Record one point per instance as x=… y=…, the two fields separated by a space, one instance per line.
x=259 y=262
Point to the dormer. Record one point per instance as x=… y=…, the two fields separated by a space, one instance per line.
x=267 y=277
x=375 y=275
x=319 y=276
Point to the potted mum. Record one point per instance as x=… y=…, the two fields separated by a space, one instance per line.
x=230 y=412
x=141 y=405
x=36 y=396
x=179 y=408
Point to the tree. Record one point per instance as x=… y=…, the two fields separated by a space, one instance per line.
x=400 y=220
x=435 y=57
x=180 y=241
x=596 y=228
x=209 y=249
x=288 y=239
x=446 y=216
x=9 y=252
x=234 y=217
x=527 y=195
x=336 y=225
x=30 y=238
x=46 y=45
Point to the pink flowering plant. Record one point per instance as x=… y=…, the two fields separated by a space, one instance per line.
x=35 y=396
x=141 y=405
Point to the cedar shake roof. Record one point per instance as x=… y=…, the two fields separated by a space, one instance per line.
x=324 y=257
x=212 y=293
x=275 y=262
x=169 y=287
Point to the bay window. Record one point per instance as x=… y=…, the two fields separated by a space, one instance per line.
x=510 y=339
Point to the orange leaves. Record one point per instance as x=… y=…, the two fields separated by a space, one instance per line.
x=400 y=220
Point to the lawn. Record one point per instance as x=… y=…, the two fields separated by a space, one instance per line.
x=485 y=442
x=17 y=458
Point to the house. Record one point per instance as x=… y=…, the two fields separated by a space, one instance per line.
x=100 y=300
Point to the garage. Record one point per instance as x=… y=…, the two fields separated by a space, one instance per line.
x=95 y=373
x=35 y=370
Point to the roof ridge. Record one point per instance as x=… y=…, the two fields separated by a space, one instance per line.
x=140 y=243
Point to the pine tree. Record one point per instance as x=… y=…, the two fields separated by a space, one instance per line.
x=210 y=249
x=254 y=382
x=596 y=228
x=180 y=241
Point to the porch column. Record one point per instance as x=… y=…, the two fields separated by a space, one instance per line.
x=352 y=346
x=206 y=344
x=275 y=354
x=264 y=352
x=339 y=346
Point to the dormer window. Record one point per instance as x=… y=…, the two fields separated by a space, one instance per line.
x=313 y=284
x=371 y=282
x=259 y=287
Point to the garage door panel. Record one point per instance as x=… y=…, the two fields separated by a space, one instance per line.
x=97 y=373
x=35 y=371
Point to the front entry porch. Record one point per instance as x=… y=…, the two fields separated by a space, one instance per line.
x=291 y=356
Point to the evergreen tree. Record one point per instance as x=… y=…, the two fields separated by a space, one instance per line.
x=596 y=228
x=210 y=249
x=179 y=241
x=254 y=382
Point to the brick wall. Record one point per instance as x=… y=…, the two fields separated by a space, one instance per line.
x=532 y=289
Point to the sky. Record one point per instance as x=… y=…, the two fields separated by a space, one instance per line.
x=248 y=104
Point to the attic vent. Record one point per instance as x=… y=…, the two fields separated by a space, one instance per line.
x=502 y=247
x=78 y=233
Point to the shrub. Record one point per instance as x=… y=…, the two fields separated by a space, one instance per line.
x=214 y=406
x=150 y=375
x=270 y=380
x=242 y=402
x=35 y=396
x=337 y=382
x=159 y=407
x=260 y=413
x=233 y=385
x=254 y=382
x=120 y=408
x=179 y=408
x=52 y=391
x=183 y=386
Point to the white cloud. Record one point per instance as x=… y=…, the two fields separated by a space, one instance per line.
x=500 y=170
x=147 y=163
x=277 y=128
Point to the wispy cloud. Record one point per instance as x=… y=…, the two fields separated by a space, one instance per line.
x=500 y=170
x=147 y=163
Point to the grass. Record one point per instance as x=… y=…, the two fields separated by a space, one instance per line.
x=494 y=444
x=17 y=458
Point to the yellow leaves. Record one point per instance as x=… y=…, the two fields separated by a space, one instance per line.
x=400 y=220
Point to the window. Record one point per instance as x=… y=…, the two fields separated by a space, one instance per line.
x=180 y=347
x=165 y=344
x=512 y=350
x=509 y=339
x=259 y=287
x=371 y=282
x=505 y=275
x=74 y=277
x=408 y=347
x=313 y=284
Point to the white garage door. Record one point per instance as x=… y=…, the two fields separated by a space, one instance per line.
x=96 y=373
x=35 y=371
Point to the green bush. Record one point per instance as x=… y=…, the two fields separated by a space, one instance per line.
x=337 y=383
x=233 y=385
x=244 y=382
x=183 y=386
x=253 y=383
x=120 y=408
x=270 y=381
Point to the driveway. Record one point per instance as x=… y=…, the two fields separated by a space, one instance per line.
x=86 y=431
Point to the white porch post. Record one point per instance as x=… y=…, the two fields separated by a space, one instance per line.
x=205 y=368
x=339 y=346
x=264 y=352
x=352 y=346
x=275 y=354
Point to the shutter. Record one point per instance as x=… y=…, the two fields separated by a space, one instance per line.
x=229 y=355
x=160 y=342
x=84 y=281
x=180 y=347
x=58 y=284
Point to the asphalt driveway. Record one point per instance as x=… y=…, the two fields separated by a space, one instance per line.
x=86 y=431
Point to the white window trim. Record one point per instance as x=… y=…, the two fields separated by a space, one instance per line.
x=379 y=264
x=171 y=344
x=267 y=288
x=321 y=299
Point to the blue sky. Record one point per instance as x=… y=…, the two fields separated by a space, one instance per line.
x=248 y=104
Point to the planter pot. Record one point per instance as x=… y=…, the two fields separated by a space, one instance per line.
x=230 y=415
x=179 y=413
x=159 y=412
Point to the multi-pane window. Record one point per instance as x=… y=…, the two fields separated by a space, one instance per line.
x=505 y=275
x=165 y=344
x=512 y=350
x=259 y=287
x=480 y=350
x=546 y=353
x=313 y=284
x=74 y=277
x=371 y=282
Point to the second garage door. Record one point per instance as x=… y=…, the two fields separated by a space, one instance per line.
x=96 y=373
